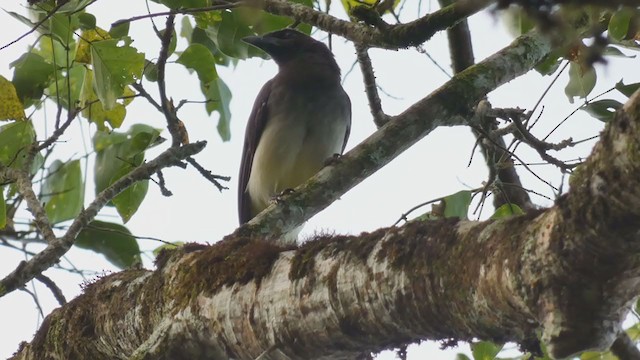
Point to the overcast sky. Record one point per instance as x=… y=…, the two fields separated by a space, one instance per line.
x=437 y=166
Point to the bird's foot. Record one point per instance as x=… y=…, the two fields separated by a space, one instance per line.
x=334 y=159
x=278 y=198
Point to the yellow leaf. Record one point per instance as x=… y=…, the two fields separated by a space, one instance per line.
x=384 y=5
x=10 y=106
x=83 y=53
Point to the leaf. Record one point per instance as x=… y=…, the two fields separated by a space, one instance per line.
x=457 y=205
x=62 y=27
x=120 y=30
x=462 y=357
x=83 y=51
x=183 y=4
x=170 y=246
x=55 y=53
x=30 y=76
x=15 y=139
x=628 y=89
x=549 y=64
x=227 y=34
x=350 y=4
x=114 y=68
x=581 y=81
x=42 y=29
x=506 y=211
x=485 y=350
x=603 y=110
x=517 y=21
x=73 y=82
x=219 y=97
x=95 y=112
x=87 y=21
x=614 y=51
x=3 y=209
x=116 y=155
x=10 y=106
x=150 y=71
x=129 y=200
x=63 y=191
x=197 y=57
x=114 y=241
x=619 y=23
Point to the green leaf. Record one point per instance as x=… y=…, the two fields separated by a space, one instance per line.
x=114 y=241
x=63 y=191
x=120 y=30
x=30 y=76
x=129 y=200
x=87 y=21
x=183 y=4
x=15 y=139
x=3 y=209
x=614 y=51
x=219 y=97
x=114 y=68
x=116 y=155
x=581 y=81
x=186 y=28
x=150 y=71
x=628 y=89
x=200 y=36
x=42 y=29
x=10 y=106
x=619 y=23
x=197 y=57
x=457 y=205
x=227 y=34
x=62 y=27
x=73 y=81
x=549 y=64
x=485 y=350
x=73 y=6
x=462 y=357
x=171 y=246
x=603 y=110
x=94 y=110
x=506 y=211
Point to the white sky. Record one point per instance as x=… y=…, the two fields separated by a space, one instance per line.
x=435 y=167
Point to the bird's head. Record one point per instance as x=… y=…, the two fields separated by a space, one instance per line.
x=288 y=44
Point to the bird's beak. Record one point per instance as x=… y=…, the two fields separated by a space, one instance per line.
x=265 y=44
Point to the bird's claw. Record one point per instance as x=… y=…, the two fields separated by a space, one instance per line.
x=278 y=198
x=332 y=160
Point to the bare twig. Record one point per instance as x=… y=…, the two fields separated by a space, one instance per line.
x=208 y=175
x=55 y=290
x=370 y=86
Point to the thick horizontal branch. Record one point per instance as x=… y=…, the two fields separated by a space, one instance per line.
x=28 y=270
x=571 y=270
x=449 y=105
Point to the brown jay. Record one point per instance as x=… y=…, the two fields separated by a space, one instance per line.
x=300 y=119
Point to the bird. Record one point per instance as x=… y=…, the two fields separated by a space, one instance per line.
x=300 y=119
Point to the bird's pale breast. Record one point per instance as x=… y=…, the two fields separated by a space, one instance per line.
x=302 y=133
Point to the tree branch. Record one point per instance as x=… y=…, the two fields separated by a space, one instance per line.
x=571 y=270
x=448 y=106
x=27 y=270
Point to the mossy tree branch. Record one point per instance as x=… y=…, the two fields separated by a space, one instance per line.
x=503 y=280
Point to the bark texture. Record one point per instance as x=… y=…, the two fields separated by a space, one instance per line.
x=570 y=271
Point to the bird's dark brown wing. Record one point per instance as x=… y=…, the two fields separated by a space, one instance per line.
x=255 y=126
x=348 y=131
